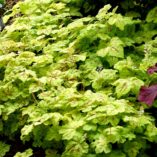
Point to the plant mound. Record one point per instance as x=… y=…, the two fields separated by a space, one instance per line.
x=69 y=83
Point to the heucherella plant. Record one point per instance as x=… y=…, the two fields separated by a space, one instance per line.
x=69 y=83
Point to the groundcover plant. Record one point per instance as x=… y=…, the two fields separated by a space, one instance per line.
x=72 y=79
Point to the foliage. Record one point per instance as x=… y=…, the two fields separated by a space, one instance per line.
x=69 y=83
x=2 y=1
x=27 y=153
x=4 y=148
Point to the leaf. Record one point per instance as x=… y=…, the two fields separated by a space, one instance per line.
x=114 y=49
x=28 y=8
x=104 y=77
x=4 y=59
x=114 y=108
x=133 y=148
x=75 y=148
x=9 y=91
x=26 y=130
x=26 y=153
x=10 y=107
x=151 y=132
x=120 y=21
x=76 y=24
x=102 y=14
x=118 y=134
x=34 y=87
x=151 y=15
x=4 y=148
x=124 y=86
x=26 y=75
x=101 y=145
x=89 y=127
x=138 y=121
x=69 y=131
x=52 y=134
x=147 y=95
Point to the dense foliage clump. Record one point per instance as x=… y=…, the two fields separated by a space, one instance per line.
x=70 y=76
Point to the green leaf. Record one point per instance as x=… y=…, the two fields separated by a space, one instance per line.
x=4 y=59
x=133 y=148
x=118 y=134
x=26 y=153
x=124 y=86
x=75 y=148
x=138 y=121
x=120 y=21
x=151 y=132
x=103 y=13
x=69 y=131
x=101 y=145
x=151 y=15
x=104 y=77
x=52 y=134
x=26 y=130
x=114 y=49
x=89 y=127
x=4 y=148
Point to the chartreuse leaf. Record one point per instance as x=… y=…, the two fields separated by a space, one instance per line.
x=52 y=134
x=101 y=144
x=26 y=153
x=132 y=148
x=26 y=130
x=129 y=67
x=4 y=148
x=151 y=15
x=4 y=59
x=138 y=121
x=114 y=48
x=75 y=148
x=103 y=13
x=118 y=134
x=104 y=77
x=113 y=108
x=124 y=86
x=9 y=91
x=69 y=131
x=89 y=127
x=151 y=132
x=120 y=21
